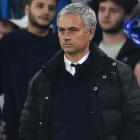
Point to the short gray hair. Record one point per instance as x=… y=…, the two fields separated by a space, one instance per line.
x=88 y=15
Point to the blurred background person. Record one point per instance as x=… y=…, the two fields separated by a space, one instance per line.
x=7 y=26
x=137 y=71
x=22 y=54
x=111 y=16
x=94 y=4
x=14 y=9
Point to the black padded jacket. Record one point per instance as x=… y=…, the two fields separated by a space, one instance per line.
x=115 y=99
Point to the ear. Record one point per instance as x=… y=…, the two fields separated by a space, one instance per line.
x=27 y=10
x=91 y=33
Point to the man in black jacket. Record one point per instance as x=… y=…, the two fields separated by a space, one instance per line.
x=81 y=94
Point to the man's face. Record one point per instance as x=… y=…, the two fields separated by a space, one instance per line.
x=4 y=30
x=41 y=13
x=73 y=38
x=110 y=17
x=137 y=72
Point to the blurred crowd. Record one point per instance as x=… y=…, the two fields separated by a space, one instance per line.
x=23 y=48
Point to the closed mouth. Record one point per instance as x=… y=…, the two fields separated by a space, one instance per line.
x=45 y=18
x=66 y=44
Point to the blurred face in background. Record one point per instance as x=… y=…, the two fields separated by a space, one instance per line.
x=41 y=13
x=111 y=17
x=137 y=72
x=4 y=30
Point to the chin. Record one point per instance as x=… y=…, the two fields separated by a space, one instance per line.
x=44 y=24
x=68 y=51
x=105 y=28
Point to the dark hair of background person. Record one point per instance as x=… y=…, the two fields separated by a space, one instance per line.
x=7 y=23
x=28 y=2
x=126 y=5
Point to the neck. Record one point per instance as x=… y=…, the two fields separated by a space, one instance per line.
x=38 y=31
x=111 y=39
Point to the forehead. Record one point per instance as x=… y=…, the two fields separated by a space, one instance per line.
x=48 y=2
x=110 y=4
x=70 y=20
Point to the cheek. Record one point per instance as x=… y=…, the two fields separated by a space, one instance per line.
x=85 y=38
x=117 y=18
x=82 y=41
x=99 y=16
x=52 y=15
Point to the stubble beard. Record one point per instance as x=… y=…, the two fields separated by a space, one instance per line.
x=114 y=30
x=36 y=24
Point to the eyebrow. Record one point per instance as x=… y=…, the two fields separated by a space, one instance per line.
x=69 y=28
x=52 y=6
x=40 y=3
x=48 y=5
x=111 y=8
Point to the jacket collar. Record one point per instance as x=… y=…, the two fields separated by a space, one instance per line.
x=98 y=57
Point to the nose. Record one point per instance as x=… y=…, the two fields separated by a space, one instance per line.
x=106 y=13
x=46 y=10
x=66 y=35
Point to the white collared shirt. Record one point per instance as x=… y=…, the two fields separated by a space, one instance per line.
x=68 y=63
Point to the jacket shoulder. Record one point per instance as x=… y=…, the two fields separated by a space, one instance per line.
x=125 y=72
x=122 y=66
x=130 y=100
x=127 y=80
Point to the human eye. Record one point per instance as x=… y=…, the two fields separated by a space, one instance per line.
x=101 y=9
x=74 y=30
x=51 y=8
x=60 y=30
x=114 y=11
x=40 y=5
